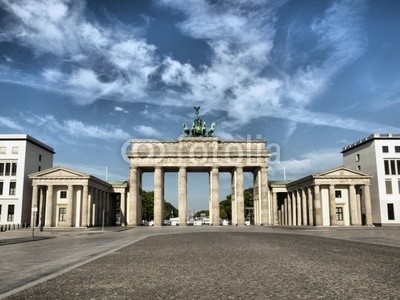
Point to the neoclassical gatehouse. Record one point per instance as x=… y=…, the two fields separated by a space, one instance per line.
x=68 y=198
x=337 y=197
x=63 y=197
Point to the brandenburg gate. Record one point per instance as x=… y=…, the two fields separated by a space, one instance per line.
x=200 y=151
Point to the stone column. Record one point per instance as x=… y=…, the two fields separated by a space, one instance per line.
x=133 y=196
x=317 y=205
x=294 y=208
x=41 y=206
x=239 y=196
x=49 y=207
x=70 y=202
x=123 y=208
x=353 y=205
x=285 y=211
x=332 y=205
x=298 y=198
x=233 y=199
x=158 y=197
x=84 y=215
x=94 y=206
x=304 y=206
x=182 y=195
x=368 y=209
x=256 y=196
x=214 y=188
x=90 y=203
x=35 y=191
x=265 y=218
x=310 y=207
x=275 y=208
x=290 y=210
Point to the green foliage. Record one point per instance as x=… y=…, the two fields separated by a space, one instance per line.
x=204 y=212
x=225 y=206
x=148 y=207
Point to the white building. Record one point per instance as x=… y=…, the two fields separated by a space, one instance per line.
x=20 y=155
x=379 y=156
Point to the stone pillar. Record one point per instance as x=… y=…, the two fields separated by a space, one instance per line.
x=35 y=191
x=265 y=215
x=233 y=198
x=353 y=205
x=294 y=208
x=90 y=203
x=298 y=198
x=368 y=209
x=84 y=215
x=41 y=206
x=317 y=205
x=304 y=206
x=49 y=207
x=310 y=207
x=239 y=196
x=290 y=208
x=332 y=205
x=94 y=207
x=133 y=196
x=158 y=196
x=70 y=202
x=285 y=211
x=275 y=208
x=256 y=196
x=214 y=189
x=123 y=208
x=182 y=196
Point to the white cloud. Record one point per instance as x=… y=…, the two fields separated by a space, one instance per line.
x=75 y=128
x=308 y=164
x=120 y=109
x=9 y=123
x=147 y=131
x=240 y=36
x=8 y=59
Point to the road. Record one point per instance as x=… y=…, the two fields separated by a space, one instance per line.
x=204 y=262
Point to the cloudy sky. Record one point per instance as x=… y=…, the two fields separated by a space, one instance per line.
x=308 y=76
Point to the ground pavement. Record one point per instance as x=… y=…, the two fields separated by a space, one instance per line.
x=203 y=263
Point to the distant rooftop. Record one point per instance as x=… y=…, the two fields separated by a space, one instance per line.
x=25 y=137
x=375 y=136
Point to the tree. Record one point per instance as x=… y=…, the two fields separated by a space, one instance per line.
x=225 y=206
x=202 y=212
x=148 y=206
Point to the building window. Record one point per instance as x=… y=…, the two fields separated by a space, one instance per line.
x=338 y=194
x=357 y=157
x=398 y=183
x=40 y=157
x=385 y=149
x=10 y=215
x=13 y=185
x=2 y=186
x=1 y=169
x=358 y=167
x=2 y=150
x=14 y=150
x=62 y=214
x=339 y=213
x=397 y=149
x=393 y=167
x=39 y=169
x=63 y=195
x=388 y=184
x=390 y=210
x=14 y=169
x=8 y=169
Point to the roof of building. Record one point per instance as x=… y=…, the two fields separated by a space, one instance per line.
x=375 y=136
x=25 y=137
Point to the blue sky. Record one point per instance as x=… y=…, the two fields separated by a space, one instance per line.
x=309 y=76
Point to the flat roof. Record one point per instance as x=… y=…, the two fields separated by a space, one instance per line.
x=26 y=137
x=375 y=136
